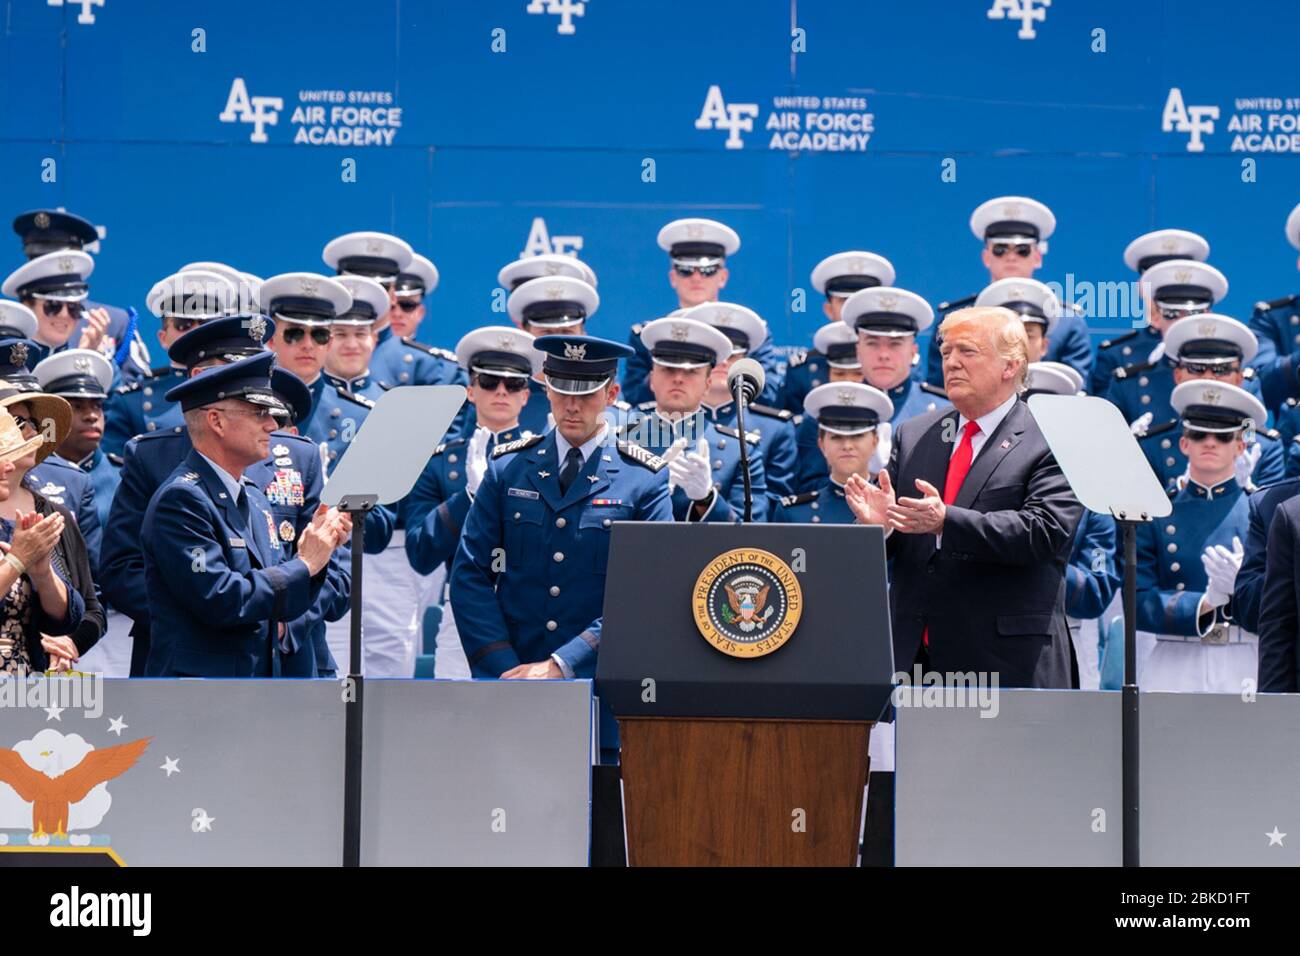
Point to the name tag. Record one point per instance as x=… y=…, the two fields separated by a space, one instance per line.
x=521 y=493
x=237 y=543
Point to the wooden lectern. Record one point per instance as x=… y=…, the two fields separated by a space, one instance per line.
x=741 y=759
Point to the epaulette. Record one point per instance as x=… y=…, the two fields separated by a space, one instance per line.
x=160 y=372
x=767 y=411
x=1277 y=303
x=639 y=455
x=128 y=387
x=1247 y=372
x=622 y=406
x=429 y=349
x=752 y=437
x=636 y=329
x=1126 y=370
x=384 y=385
x=1119 y=338
x=789 y=501
x=957 y=303
x=796 y=359
x=1159 y=429
x=797 y=420
x=354 y=397
x=115 y=459
x=933 y=390
x=1272 y=433
x=447 y=444
x=646 y=406
x=519 y=444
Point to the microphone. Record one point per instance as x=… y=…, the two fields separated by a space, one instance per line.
x=749 y=377
x=745 y=381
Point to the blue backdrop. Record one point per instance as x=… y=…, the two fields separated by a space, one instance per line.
x=206 y=130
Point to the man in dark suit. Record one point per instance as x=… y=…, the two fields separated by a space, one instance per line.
x=979 y=559
x=1279 y=610
x=1249 y=590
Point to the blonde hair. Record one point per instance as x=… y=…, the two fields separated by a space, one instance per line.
x=1006 y=333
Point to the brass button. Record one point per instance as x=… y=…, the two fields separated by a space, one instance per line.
x=551 y=625
x=606 y=523
x=517 y=515
x=147 y=406
x=558 y=556
x=407 y=358
x=1146 y=399
x=1171 y=547
x=453 y=475
x=404 y=377
x=1170 y=529
x=452 y=458
x=1175 y=566
x=817 y=519
x=560 y=522
x=1143 y=380
x=555 y=591
x=1166 y=443
x=717 y=466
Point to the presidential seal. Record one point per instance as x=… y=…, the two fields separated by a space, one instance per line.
x=747 y=602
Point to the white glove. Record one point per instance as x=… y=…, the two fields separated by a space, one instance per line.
x=1140 y=425
x=476 y=459
x=1244 y=465
x=880 y=459
x=671 y=455
x=1221 y=567
x=324 y=460
x=691 y=472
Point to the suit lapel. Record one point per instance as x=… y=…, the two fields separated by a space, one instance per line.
x=259 y=543
x=937 y=450
x=996 y=447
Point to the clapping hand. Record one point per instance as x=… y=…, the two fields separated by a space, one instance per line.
x=476 y=459
x=869 y=503
x=1221 y=567
x=92 y=336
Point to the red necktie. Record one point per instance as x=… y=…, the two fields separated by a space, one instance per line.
x=959 y=464
x=958 y=467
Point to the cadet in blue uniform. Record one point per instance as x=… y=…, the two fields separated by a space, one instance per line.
x=848 y=415
x=550 y=502
x=1187 y=563
x=43 y=231
x=705 y=476
x=1277 y=326
x=775 y=426
x=1091 y=577
x=1179 y=288
x=1140 y=255
x=1014 y=232
x=501 y=362
x=397 y=360
x=547 y=265
x=1213 y=347
x=305 y=307
x=885 y=321
x=291 y=479
x=181 y=302
x=836 y=277
x=219 y=614
x=353 y=339
x=698 y=250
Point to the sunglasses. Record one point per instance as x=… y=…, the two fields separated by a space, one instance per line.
x=1196 y=435
x=26 y=423
x=408 y=305
x=1206 y=368
x=293 y=335
x=52 y=307
x=1022 y=249
x=490 y=382
x=257 y=413
x=687 y=271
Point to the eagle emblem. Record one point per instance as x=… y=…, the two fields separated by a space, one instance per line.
x=1183 y=275
x=888 y=301
x=679 y=332
x=506 y=343
x=81 y=364
x=857 y=265
x=572 y=351
x=746 y=600
x=1212 y=396
x=65 y=263
x=374 y=246
x=1011 y=210
x=846 y=396
x=42 y=220
x=1168 y=245
x=551 y=269
x=694 y=230
x=554 y=291
x=18 y=354
x=256 y=328
x=309 y=286
x=1208 y=329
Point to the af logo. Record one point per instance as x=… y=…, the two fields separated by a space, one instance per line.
x=261 y=111
x=735 y=118
x=566 y=10
x=85 y=16
x=1026 y=11
x=541 y=241
x=1188 y=119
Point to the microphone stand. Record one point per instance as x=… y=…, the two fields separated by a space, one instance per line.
x=738 y=391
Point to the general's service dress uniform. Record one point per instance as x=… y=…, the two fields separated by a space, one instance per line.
x=1180 y=288
x=44 y=231
x=683 y=342
x=551 y=507
x=1015 y=224
x=1197 y=644
x=836 y=277
x=436 y=507
x=1203 y=345
x=1277 y=325
x=219 y=579
x=887 y=311
x=775 y=426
